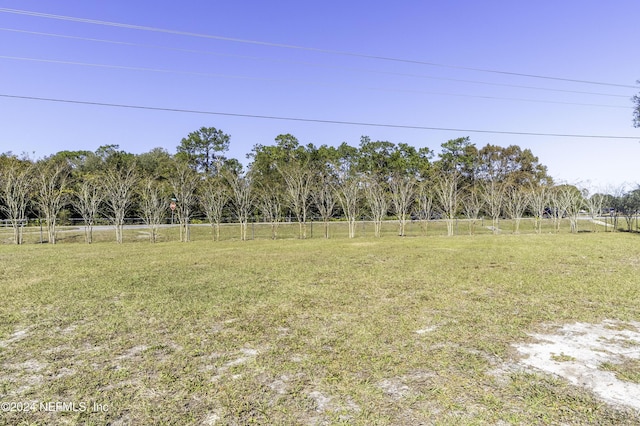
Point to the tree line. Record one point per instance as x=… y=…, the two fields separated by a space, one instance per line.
x=376 y=179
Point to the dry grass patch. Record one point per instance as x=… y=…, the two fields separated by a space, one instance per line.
x=372 y=331
x=627 y=370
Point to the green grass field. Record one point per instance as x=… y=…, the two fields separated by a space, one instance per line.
x=363 y=331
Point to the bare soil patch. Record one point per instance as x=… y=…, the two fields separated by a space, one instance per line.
x=583 y=353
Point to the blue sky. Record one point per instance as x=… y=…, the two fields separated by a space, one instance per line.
x=579 y=40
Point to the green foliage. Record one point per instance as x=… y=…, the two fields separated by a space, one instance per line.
x=458 y=154
x=511 y=165
x=629 y=206
x=204 y=149
x=383 y=159
x=157 y=163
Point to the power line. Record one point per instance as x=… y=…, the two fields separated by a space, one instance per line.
x=309 y=83
x=296 y=47
x=309 y=64
x=312 y=120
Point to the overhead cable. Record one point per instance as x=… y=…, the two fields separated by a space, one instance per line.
x=314 y=83
x=296 y=47
x=310 y=64
x=313 y=120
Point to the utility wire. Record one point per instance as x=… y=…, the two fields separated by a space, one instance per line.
x=309 y=64
x=309 y=83
x=311 y=120
x=296 y=47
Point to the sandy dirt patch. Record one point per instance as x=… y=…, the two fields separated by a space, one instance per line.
x=15 y=337
x=577 y=352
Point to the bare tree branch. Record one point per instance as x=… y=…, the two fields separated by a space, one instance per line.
x=119 y=183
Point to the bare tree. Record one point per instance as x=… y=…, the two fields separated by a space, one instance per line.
x=572 y=199
x=86 y=200
x=471 y=206
x=297 y=178
x=213 y=198
x=324 y=200
x=566 y=200
x=425 y=198
x=402 y=195
x=593 y=204
x=154 y=203
x=378 y=201
x=348 y=192
x=558 y=208
x=15 y=183
x=539 y=199
x=446 y=189
x=629 y=206
x=51 y=192
x=270 y=201
x=184 y=183
x=614 y=200
x=516 y=201
x=493 y=196
x=119 y=184
x=242 y=197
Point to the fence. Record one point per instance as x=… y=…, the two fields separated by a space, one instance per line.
x=136 y=230
x=8 y=223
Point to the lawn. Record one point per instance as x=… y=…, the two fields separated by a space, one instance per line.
x=364 y=331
